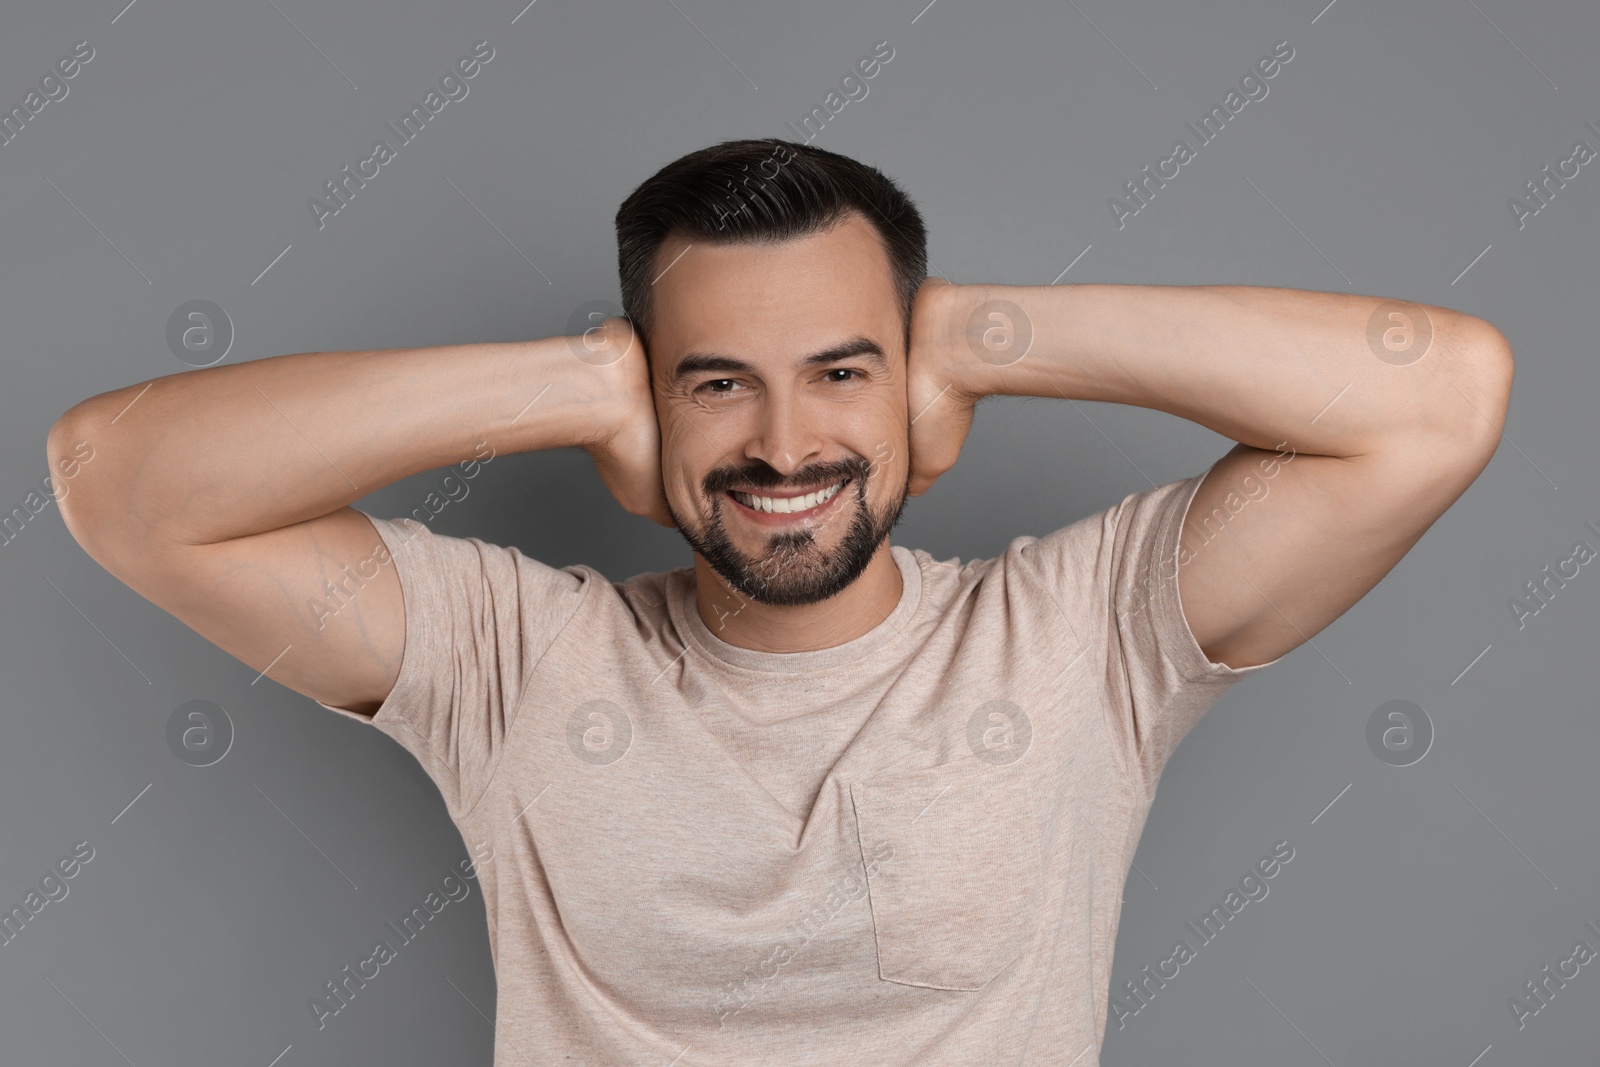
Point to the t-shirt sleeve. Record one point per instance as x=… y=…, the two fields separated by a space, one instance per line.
x=1115 y=577
x=478 y=619
x=1160 y=680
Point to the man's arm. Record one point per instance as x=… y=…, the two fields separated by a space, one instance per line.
x=222 y=495
x=1357 y=428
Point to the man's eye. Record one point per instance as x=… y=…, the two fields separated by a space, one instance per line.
x=716 y=385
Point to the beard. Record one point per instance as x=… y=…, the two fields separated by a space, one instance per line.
x=794 y=568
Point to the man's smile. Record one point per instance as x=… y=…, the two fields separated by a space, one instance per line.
x=772 y=508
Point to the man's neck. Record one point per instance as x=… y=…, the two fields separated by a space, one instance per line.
x=858 y=608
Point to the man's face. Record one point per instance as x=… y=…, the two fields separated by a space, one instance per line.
x=781 y=370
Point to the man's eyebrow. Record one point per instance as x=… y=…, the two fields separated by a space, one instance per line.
x=698 y=362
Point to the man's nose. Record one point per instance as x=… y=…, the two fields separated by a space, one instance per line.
x=786 y=437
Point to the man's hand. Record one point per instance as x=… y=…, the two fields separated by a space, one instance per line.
x=940 y=404
x=628 y=454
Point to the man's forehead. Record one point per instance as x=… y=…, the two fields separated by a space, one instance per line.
x=773 y=304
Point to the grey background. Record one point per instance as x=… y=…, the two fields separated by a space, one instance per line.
x=1380 y=162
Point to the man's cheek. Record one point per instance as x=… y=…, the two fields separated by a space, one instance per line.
x=718 y=438
x=679 y=435
x=883 y=455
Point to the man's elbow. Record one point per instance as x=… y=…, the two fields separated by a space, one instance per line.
x=1483 y=378
x=69 y=450
x=1492 y=346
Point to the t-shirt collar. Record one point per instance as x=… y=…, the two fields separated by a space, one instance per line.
x=686 y=617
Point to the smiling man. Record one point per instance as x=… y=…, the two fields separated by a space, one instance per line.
x=768 y=453
x=817 y=798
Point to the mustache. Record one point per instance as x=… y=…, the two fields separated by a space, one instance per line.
x=764 y=477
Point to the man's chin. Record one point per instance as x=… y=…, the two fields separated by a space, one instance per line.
x=785 y=577
x=794 y=564
x=784 y=596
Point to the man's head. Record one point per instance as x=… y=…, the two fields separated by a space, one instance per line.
x=772 y=284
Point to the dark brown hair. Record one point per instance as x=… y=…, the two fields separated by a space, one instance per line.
x=762 y=191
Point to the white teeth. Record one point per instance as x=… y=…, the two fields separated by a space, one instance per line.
x=787 y=505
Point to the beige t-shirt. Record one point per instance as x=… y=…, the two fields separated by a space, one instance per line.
x=906 y=849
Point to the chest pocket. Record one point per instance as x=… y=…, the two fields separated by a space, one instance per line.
x=955 y=873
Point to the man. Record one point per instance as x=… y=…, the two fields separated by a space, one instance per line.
x=817 y=799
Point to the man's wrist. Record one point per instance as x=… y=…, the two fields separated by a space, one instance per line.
x=987 y=331
x=613 y=371
x=566 y=394
x=1014 y=339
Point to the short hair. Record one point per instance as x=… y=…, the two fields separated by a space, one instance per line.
x=762 y=191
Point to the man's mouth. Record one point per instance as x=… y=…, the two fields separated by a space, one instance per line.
x=792 y=504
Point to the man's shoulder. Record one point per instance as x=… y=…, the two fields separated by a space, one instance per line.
x=1079 y=552
x=1015 y=551
x=651 y=588
x=403 y=534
